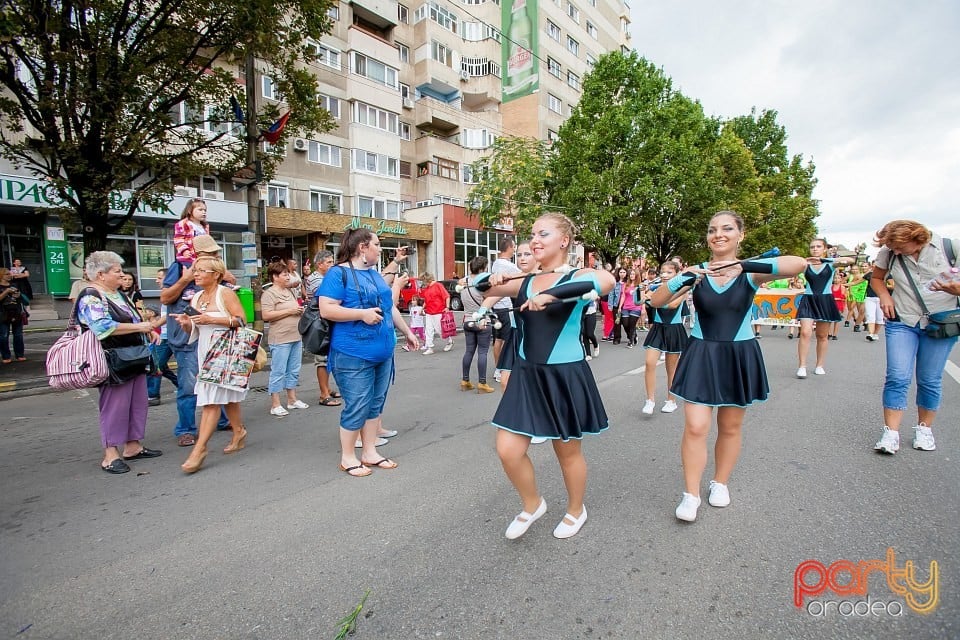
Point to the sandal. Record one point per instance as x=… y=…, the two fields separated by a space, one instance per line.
x=383 y=463
x=330 y=402
x=186 y=440
x=360 y=474
x=335 y=394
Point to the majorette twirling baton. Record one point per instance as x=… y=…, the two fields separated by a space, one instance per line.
x=564 y=293
x=763 y=263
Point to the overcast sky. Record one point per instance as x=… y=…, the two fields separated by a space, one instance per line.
x=868 y=90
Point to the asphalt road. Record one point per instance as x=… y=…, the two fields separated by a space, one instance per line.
x=275 y=542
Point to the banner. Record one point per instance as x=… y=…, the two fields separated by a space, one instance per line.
x=519 y=68
x=57 y=261
x=776 y=306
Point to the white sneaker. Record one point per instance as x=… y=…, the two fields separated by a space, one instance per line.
x=719 y=494
x=872 y=338
x=523 y=521
x=380 y=443
x=648 y=407
x=564 y=530
x=802 y=372
x=448 y=346
x=687 y=510
x=889 y=441
x=923 y=438
x=538 y=440
x=669 y=406
x=428 y=352
x=279 y=412
x=299 y=404
x=819 y=371
x=496 y=375
x=596 y=351
x=589 y=358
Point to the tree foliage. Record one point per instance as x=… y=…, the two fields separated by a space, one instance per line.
x=513 y=183
x=104 y=95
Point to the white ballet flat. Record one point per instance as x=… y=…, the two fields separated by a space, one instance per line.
x=523 y=521
x=565 y=530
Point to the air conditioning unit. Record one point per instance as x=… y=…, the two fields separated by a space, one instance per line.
x=186 y=192
x=212 y=195
x=407 y=103
x=300 y=144
x=464 y=76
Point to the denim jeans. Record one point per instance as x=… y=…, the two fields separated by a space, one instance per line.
x=476 y=342
x=5 y=331
x=285 y=361
x=187 y=369
x=161 y=355
x=909 y=348
x=364 y=386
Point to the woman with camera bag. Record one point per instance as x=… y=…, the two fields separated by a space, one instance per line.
x=476 y=333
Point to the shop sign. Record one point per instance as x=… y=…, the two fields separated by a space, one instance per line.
x=56 y=263
x=34 y=193
x=394 y=227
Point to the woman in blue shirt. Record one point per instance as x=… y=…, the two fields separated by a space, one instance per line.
x=356 y=298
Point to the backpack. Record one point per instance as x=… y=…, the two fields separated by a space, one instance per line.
x=315 y=329
x=76 y=360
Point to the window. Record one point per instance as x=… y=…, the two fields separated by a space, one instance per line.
x=326 y=200
x=552 y=135
x=553 y=67
x=378 y=208
x=376 y=118
x=592 y=30
x=591 y=60
x=404 y=91
x=378 y=163
x=553 y=31
x=403 y=14
x=326 y=55
x=554 y=104
x=573 y=12
x=573 y=80
x=374 y=69
x=593 y=3
x=274 y=149
x=573 y=46
x=441 y=53
x=404 y=52
x=277 y=195
x=442 y=199
x=479 y=67
x=323 y=153
x=477 y=31
x=474 y=174
x=269 y=91
x=331 y=104
x=445 y=18
x=470 y=243
x=404 y=135
x=334 y=12
x=406 y=169
x=446 y=168
x=476 y=138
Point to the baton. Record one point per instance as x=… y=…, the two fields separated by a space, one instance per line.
x=485 y=285
x=770 y=253
x=589 y=296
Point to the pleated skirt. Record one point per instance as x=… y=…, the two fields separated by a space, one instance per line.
x=721 y=373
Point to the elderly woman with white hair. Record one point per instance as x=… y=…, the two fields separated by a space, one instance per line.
x=114 y=319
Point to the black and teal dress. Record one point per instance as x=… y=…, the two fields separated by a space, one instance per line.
x=552 y=391
x=667 y=333
x=722 y=364
x=817 y=302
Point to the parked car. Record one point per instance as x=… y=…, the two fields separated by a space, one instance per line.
x=412 y=288
x=455 y=302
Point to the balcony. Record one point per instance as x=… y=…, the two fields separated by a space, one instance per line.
x=437 y=115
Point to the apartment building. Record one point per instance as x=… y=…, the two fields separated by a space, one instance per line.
x=420 y=91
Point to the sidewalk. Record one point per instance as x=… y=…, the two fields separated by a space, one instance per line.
x=19 y=379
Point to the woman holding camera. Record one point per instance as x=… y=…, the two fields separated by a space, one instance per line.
x=476 y=334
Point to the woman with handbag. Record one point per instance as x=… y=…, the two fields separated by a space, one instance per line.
x=282 y=310
x=914 y=257
x=476 y=333
x=436 y=301
x=11 y=318
x=114 y=319
x=212 y=310
x=357 y=298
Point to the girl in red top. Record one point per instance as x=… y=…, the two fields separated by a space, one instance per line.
x=839 y=292
x=436 y=300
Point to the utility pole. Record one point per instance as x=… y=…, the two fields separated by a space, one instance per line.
x=256 y=207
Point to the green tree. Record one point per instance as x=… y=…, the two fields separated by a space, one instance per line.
x=512 y=183
x=104 y=95
x=638 y=164
x=788 y=211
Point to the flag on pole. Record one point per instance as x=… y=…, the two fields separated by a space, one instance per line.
x=237 y=110
x=272 y=134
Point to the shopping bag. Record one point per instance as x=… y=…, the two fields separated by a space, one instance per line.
x=448 y=325
x=230 y=359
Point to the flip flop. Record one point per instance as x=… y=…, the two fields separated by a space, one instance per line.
x=330 y=402
x=383 y=463
x=349 y=471
x=335 y=394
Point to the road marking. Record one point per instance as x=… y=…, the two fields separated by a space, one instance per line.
x=632 y=372
x=953 y=370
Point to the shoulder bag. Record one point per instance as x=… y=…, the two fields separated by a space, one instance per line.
x=314 y=328
x=943 y=324
x=76 y=360
x=128 y=361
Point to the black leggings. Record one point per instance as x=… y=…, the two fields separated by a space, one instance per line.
x=479 y=342
x=588 y=330
x=630 y=326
